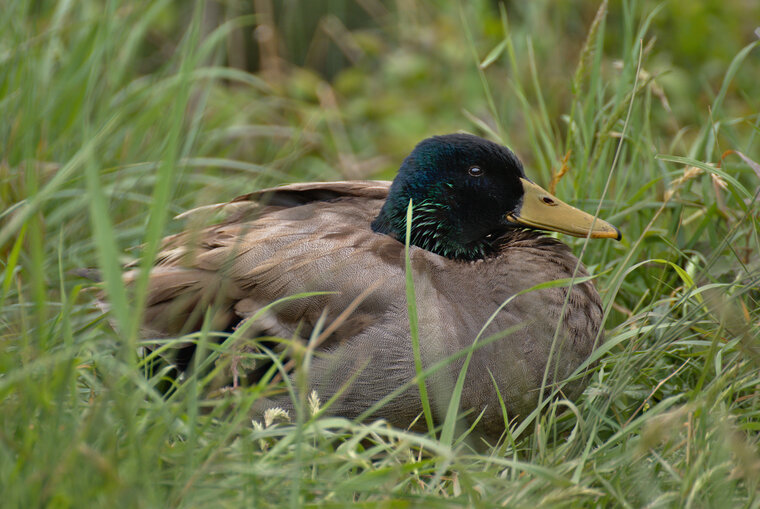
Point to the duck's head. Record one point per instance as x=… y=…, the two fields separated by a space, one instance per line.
x=466 y=192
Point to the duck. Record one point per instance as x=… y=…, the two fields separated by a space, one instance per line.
x=330 y=260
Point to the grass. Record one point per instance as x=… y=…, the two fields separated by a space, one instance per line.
x=106 y=135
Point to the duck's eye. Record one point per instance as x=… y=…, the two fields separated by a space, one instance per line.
x=475 y=171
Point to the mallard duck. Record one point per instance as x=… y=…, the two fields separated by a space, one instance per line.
x=476 y=241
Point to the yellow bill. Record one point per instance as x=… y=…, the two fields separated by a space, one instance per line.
x=544 y=211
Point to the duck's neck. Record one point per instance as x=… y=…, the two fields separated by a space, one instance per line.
x=433 y=229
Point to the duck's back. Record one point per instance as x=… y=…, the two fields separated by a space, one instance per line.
x=273 y=244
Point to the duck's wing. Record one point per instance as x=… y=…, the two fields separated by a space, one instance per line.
x=273 y=244
x=293 y=195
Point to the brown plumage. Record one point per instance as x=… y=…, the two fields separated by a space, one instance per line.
x=319 y=237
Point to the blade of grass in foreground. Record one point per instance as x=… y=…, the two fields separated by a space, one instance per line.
x=165 y=173
x=411 y=306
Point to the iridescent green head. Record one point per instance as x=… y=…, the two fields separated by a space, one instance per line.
x=466 y=192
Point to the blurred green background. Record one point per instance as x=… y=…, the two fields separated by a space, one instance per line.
x=369 y=78
x=401 y=70
x=377 y=76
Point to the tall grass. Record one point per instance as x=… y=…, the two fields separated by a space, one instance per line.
x=99 y=153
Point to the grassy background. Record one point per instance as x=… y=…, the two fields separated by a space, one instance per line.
x=117 y=116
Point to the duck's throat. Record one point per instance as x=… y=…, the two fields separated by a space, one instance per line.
x=433 y=230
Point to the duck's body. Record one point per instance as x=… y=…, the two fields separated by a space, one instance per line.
x=329 y=237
